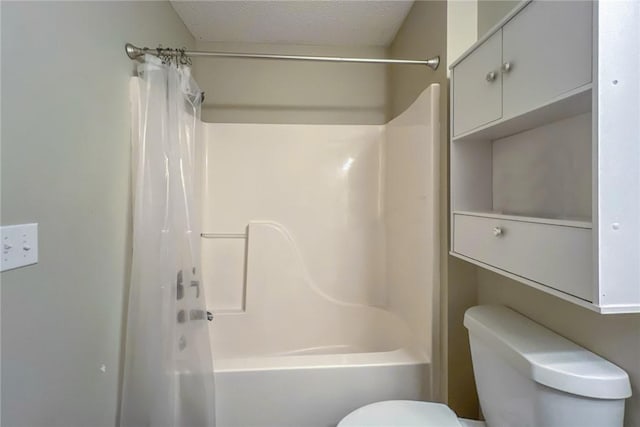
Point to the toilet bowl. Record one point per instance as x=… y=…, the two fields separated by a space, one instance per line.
x=526 y=375
x=406 y=413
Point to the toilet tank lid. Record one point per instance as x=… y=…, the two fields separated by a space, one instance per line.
x=545 y=356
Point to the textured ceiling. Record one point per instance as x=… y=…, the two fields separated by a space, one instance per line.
x=319 y=22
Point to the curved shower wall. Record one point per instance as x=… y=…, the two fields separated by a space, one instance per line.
x=321 y=183
x=323 y=237
x=412 y=217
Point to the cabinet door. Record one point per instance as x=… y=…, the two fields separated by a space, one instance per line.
x=548 y=49
x=477 y=90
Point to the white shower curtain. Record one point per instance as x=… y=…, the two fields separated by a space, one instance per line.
x=168 y=375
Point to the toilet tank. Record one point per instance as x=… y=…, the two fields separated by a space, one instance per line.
x=529 y=376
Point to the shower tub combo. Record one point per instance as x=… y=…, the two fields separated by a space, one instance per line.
x=320 y=262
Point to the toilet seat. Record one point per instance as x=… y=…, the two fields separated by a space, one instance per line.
x=402 y=413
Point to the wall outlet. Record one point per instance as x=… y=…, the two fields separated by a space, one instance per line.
x=19 y=245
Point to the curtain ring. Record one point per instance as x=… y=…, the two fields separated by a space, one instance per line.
x=184 y=59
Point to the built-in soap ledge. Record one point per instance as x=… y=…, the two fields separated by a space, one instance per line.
x=569 y=104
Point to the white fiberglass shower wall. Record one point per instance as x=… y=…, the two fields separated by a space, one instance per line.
x=320 y=251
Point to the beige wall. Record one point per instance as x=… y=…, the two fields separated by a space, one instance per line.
x=260 y=91
x=424 y=34
x=614 y=337
x=462 y=289
x=462 y=28
x=65 y=165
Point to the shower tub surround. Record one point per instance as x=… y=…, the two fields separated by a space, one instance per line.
x=321 y=265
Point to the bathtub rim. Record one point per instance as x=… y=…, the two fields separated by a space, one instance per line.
x=401 y=356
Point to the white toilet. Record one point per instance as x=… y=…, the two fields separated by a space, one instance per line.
x=527 y=376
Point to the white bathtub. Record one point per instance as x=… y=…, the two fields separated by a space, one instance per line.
x=313 y=390
x=278 y=366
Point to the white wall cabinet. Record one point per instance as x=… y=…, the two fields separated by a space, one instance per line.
x=545 y=151
x=478 y=95
x=543 y=52
x=546 y=51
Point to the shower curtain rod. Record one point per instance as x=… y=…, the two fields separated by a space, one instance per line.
x=135 y=52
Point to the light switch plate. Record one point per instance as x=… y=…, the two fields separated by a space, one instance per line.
x=19 y=245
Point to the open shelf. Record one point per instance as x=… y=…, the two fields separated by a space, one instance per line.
x=572 y=103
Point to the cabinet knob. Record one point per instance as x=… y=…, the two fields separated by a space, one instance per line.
x=497 y=231
x=506 y=67
x=491 y=76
